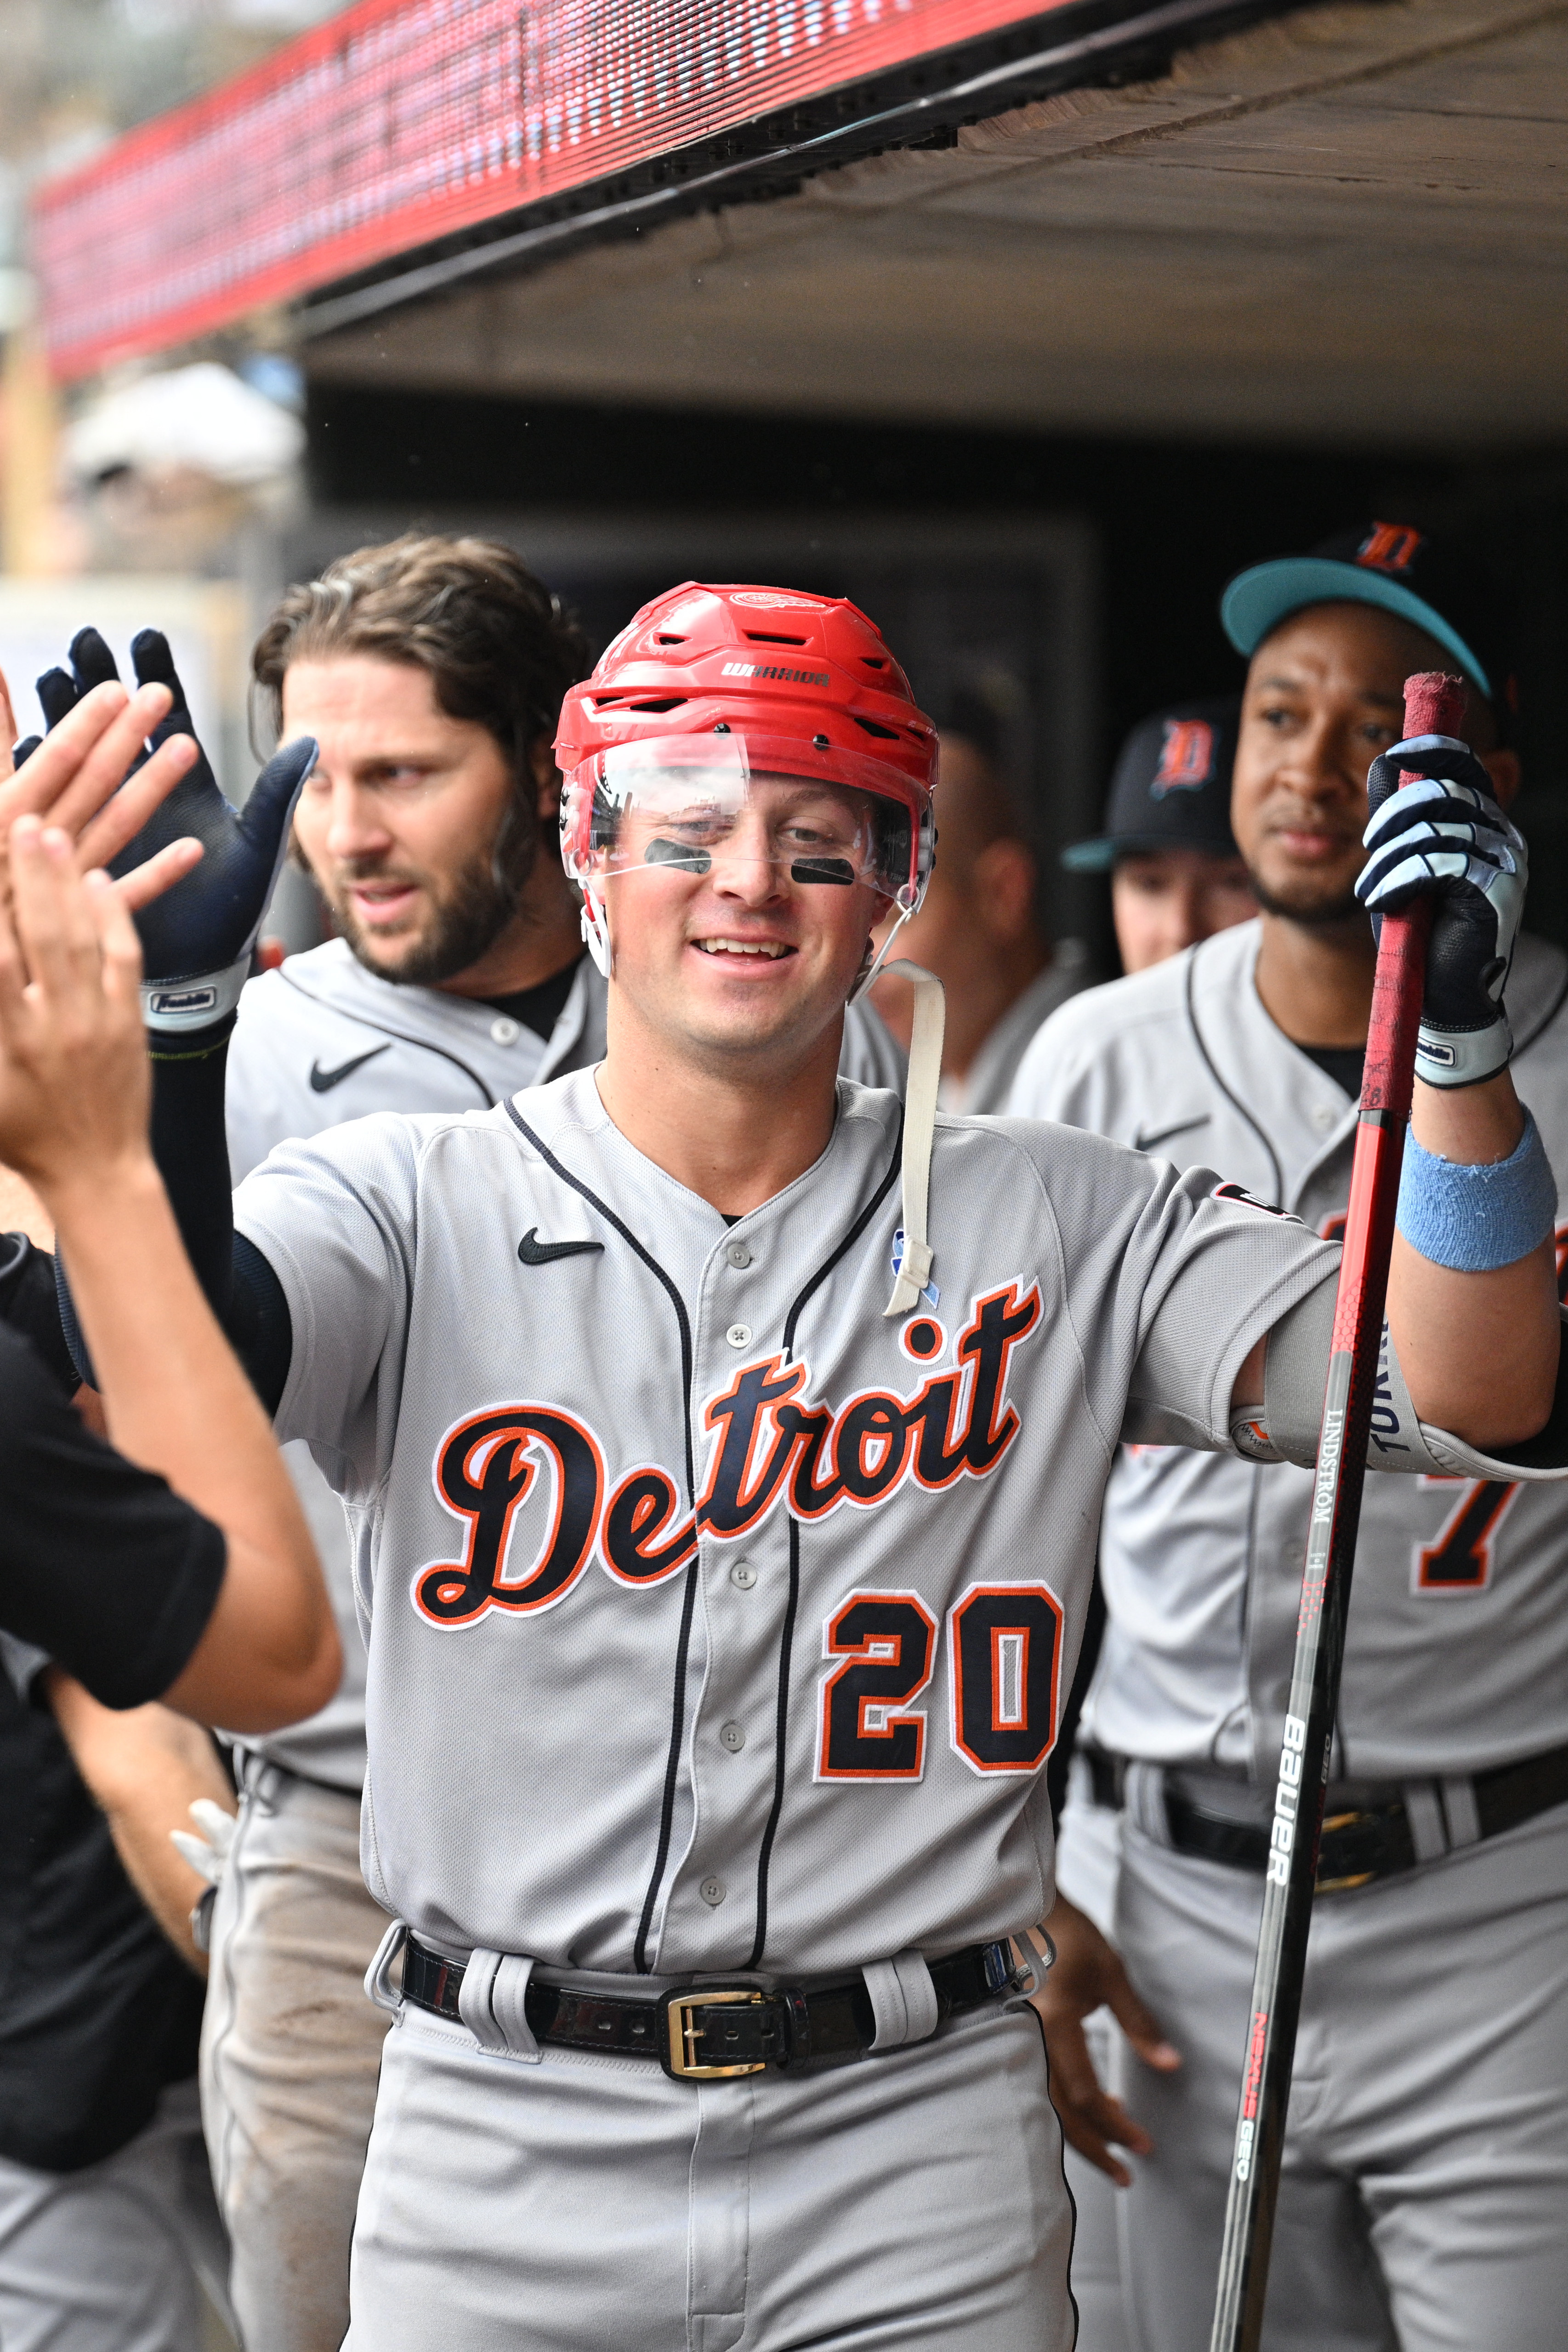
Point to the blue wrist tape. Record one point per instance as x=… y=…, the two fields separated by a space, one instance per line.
x=1474 y=1219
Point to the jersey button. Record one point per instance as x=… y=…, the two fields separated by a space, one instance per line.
x=739 y=1254
x=713 y=1890
x=740 y=1335
x=743 y=1574
x=503 y=1031
x=732 y=1737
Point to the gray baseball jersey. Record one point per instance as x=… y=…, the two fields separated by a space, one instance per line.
x=714 y=1615
x=322 y=1040
x=1456 y=1655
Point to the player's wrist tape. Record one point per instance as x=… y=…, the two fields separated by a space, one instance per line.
x=172 y=1007
x=1463 y=1057
x=1474 y=1219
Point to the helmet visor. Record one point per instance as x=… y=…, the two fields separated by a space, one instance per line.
x=696 y=803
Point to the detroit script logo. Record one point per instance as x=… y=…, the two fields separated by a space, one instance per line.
x=769 y=1447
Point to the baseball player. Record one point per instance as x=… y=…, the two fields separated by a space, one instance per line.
x=725 y=1445
x=430 y=672
x=978 y=927
x=177 y=1566
x=1428 y=2158
x=1175 y=873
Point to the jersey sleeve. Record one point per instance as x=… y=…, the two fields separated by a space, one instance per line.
x=334 y=1220
x=1171 y=1279
x=102 y=1567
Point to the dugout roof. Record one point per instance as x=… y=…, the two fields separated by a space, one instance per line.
x=1339 y=223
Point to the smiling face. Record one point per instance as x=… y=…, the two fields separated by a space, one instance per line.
x=404 y=821
x=721 y=948
x=1324 y=695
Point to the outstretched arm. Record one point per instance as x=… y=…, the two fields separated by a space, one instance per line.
x=73 y=1121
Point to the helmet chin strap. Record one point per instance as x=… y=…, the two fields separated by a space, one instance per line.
x=595 y=920
x=919 y=1130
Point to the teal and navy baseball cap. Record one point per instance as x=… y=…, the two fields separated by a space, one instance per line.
x=1171 y=789
x=1391 y=564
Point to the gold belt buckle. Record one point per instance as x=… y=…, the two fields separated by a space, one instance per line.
x=1359 y=1878
x=685 y=2033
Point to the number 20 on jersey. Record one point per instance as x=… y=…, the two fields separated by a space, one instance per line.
x=1004 y=1661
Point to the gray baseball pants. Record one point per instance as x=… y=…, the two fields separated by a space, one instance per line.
x=290 y=2051
x=1424 y=2197
x=1087 y=1862
x=913 y=2202
x=114 y=2258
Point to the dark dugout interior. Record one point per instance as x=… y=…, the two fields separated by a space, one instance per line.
x=1169 y=522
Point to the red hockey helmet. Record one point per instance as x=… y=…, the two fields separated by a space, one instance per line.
x=711 y=691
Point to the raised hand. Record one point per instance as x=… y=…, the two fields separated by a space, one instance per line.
x=1443 y=835
x=74 y=1082
x=197 y=941
x=94 y=778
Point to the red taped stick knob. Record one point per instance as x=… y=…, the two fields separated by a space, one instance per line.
x=1434 y=705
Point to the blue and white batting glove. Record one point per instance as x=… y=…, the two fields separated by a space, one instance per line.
x=197 y=939
x=1444 y=837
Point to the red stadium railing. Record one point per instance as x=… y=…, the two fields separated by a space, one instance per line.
x=398 y=122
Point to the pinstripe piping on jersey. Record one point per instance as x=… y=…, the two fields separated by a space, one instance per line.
x=1233 y=1099
x=688 y=1601
x=787 y=1635
x=385 y=1029
x=640 y=1954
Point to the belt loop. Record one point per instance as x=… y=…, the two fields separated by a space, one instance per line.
x=902 y=2000
x=378 y=1975
x=258 y=1779
x=491 y=2002
x=1463 y=1814
x=1429 y=1832
x=1145 y=1794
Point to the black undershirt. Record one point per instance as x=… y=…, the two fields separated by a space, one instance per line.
x=539 y=1008
x=112 y=1574
x=1342 y=1064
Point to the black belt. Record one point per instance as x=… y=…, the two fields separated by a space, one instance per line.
x=700 y=2030
x=1358 y=1845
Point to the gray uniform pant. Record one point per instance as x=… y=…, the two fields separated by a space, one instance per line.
x=114 y=2258
x=1088 y=1861
x=290 y=2051
x=913 y=2202
x=1425 y=2198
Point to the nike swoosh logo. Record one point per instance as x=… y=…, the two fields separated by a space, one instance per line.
x=533 y=1252
x=323 y=1081
x=1142 y=1142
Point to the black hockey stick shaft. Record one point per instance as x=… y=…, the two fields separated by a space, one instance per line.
x=1434 y=705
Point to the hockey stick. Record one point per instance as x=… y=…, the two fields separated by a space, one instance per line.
x=1434 y=705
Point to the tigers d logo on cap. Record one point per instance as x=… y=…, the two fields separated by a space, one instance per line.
x=1186 y=758
x=1390 y=547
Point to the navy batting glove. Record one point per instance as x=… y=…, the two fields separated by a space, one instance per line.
x=196 y=940
x=1444 y=836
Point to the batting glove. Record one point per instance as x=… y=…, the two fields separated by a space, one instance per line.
x=1444 y=836
x=197 y=939
x=206 y=1849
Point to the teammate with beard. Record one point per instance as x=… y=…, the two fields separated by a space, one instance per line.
x=1426 y=2160
x=431 y=672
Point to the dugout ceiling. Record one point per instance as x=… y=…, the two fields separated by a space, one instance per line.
x=1346 y=225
